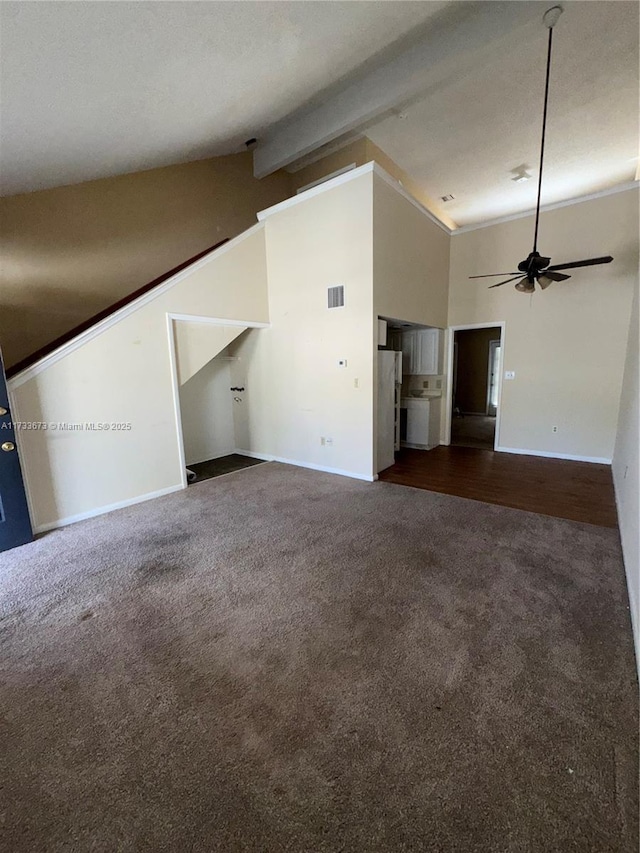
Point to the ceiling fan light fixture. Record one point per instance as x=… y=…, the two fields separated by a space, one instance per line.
x=524 y=285
x=544 y=281
x=536 y=267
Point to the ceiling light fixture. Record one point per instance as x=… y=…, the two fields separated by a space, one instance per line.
x=521 y=177
x=536 y=267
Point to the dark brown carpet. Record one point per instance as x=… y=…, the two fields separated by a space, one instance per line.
x=284 y=660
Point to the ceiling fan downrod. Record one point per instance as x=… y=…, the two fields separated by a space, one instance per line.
x=550 y=18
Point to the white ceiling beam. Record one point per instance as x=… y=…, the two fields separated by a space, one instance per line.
x=455 y=41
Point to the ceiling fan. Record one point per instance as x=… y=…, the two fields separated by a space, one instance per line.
x=536 y=267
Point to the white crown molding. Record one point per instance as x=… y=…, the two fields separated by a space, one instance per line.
x=352 y=175
x=621 y=188
x=102 y=326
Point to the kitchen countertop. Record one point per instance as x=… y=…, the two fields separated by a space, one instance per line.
x=427 y=396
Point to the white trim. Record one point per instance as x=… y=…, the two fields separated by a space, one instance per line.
x=352 y=175
x=313 y=467
x=92 y=513
x=314 y=191
x=175 y=382
x=448 y=391
x=215 y=456
x=102 y=326
x=175 y=393
x=597 y=460
x=266 y=457
x=15 y=415
x=628 y=569
x=328 y=177
x=216 y=321
x=622 y=188
x=396 y=185
x=342 y=473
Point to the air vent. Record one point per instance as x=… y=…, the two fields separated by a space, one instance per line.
x=336 y=296
x=447 y=197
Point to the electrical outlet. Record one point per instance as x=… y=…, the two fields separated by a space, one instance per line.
x=554 y=429
x=509 y=374
x=328 y=441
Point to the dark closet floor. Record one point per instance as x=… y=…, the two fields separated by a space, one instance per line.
x=473 y=431
x=222 y=465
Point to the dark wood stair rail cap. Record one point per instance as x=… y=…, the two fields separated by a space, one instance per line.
x=86 y=324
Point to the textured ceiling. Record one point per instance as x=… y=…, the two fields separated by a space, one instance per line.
x=101 y=88
x=464 y=137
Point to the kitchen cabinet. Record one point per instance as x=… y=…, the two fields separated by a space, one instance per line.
x=421 y=352
x=423 y=422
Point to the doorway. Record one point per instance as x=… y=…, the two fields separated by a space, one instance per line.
x=474 y=399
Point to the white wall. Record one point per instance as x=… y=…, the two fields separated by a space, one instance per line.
x=567 y=345
x=124 y=375
x=626 y=473
x=207 y=417
x=295 y=391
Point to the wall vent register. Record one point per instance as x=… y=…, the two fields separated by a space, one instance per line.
x=336 y=296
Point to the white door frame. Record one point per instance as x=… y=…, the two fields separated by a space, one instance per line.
x=451 y=330
x=175 y=383
x=493 y=345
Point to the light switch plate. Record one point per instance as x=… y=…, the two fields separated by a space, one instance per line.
x=509 y=374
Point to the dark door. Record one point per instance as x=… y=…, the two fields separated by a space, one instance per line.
x=15 y=525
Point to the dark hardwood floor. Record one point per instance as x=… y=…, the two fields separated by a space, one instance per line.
x=579 y=491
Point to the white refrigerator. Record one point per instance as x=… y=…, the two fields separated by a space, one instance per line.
x=389 y=391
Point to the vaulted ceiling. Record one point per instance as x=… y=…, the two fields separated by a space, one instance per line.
x=451 y=91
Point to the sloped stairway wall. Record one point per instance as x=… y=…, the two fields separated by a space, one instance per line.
x=104 y=406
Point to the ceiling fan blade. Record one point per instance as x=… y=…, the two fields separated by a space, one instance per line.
x=590 y=262
x=500 y=283
x=525 y=286
x=492 y=274
x=554 y=276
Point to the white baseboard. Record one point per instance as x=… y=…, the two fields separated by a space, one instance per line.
x=629 y=567
x=310 y=465
x=92 y=513
x=597 y=460
x=210 y=458
x=264 y=456
x=342 y=473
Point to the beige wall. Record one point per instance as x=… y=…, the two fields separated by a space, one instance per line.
x=295 y=391
x=410 y=260
x=626 y=473
x=362 y=151
x=69 y=252
x=207 y=414
x=124 y=375
x=355 y=152
x=411 y=186
x=567 y=345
